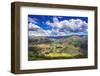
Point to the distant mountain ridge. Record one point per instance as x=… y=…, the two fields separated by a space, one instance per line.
x=55 y=37
x=64 y=36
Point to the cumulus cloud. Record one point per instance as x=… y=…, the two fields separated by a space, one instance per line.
x=55 y=19
x=35 y=30
x=68 y=26
x=32 y=20
x=74 y=25
x=59 y=27
x=55 y=24
x=32 y=26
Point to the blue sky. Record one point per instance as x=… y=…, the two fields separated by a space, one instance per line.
x=57 y=25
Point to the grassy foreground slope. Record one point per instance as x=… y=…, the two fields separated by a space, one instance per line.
x=63 y=48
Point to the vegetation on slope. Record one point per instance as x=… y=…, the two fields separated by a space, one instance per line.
x=64 y=48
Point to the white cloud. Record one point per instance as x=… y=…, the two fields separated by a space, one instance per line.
x=69 y=27
x=55 y=19
x=35 y=30
x=55 y=23
x=38 y=31
x=32 y=26
x=32 y=20
x=49 y=23
x=76 y=24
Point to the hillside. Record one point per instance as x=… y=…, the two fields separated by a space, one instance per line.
x=49 y=47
